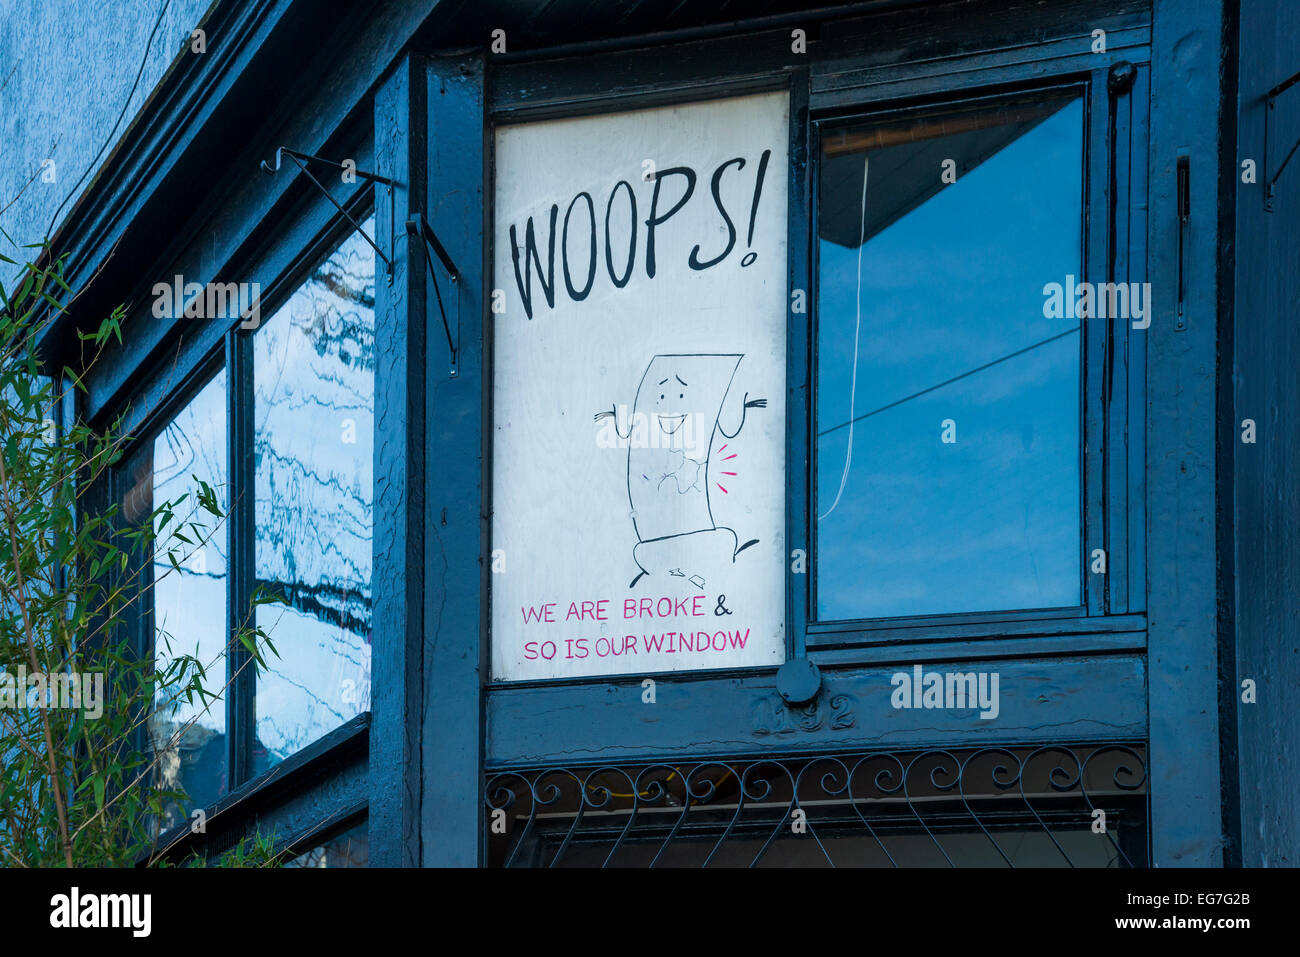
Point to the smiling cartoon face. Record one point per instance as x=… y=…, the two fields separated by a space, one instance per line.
x=680 y=397
x=672 y=399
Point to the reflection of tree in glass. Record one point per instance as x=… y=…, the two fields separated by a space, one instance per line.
x=188 y=600
x=313 y=446
x=349 y=849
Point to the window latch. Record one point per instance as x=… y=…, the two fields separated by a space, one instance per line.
x=302 y=159
x=1184 y=214
x=419 y=227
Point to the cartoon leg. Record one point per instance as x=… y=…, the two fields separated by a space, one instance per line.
x=695 y=555
x=642 y=571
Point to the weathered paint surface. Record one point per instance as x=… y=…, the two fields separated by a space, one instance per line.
x=1063 y=699
x=66 y=72
x=1181 y=465
x=1266 y=380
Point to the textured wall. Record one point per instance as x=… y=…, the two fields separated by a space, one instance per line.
x=1267 y=387
x=66 y=71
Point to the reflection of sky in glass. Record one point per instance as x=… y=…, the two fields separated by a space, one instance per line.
x=314 y=425
x=190 y=605
x=992 y=521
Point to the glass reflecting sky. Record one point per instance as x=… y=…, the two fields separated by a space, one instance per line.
x=991 y=521
x=313 y=441
x=190 y=604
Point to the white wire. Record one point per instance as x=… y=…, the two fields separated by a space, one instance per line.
x=857 y=327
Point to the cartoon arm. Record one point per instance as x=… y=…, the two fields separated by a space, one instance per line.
x=613 y=414
x=749 y=404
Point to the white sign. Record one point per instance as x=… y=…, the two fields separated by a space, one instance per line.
x=638 y=465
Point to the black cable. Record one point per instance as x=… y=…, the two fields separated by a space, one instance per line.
x=1010 y=355
x=113 y=132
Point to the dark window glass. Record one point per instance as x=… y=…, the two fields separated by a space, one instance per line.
x=189 y=600
x=948 y=404
x=348 y=849
x=313 y=368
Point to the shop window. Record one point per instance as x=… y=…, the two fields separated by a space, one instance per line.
x=189 y=597
x=948 y=424
x=313 y=439
x=283 y=435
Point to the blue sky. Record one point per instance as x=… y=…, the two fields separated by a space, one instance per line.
x=992 y=521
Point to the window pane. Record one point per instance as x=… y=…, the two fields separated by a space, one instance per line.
x=948 y=405
x=349 y=849
x=313 y=369
x=189 y=602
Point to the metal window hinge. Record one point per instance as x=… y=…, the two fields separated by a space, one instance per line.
x=419 y=227
x=302 y=159
x=1270 y=100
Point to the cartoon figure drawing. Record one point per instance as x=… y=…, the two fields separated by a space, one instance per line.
x=676 y=417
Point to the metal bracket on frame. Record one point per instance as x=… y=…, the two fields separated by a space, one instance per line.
x=302 y=159
x=419 y=227
x=1271 y=100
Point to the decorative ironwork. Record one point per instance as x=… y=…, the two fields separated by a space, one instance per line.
x=1050 y=805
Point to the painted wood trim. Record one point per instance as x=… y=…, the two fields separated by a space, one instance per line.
x=1094 y=698
x=397 y=675
x=1182 y=568
x=454 y=457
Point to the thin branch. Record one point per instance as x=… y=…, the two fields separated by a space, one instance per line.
x=31 y=654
